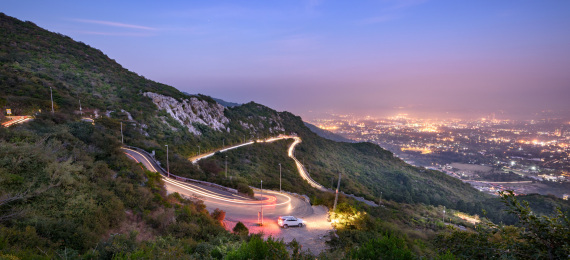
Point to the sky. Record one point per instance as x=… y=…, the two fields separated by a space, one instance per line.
x=374 y=57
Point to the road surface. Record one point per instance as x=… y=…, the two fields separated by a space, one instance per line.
x=237 y=207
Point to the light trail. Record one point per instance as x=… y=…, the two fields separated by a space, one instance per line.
x=132 y=157
x=211 y=195
x=16 y=120
x=144 y=157
x=216 y=196
x=269 y=140
x=196 y=159
x=300 y=167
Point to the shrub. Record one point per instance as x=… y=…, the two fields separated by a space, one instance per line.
x=240 y=229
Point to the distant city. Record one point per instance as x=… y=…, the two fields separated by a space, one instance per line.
x=526 y=156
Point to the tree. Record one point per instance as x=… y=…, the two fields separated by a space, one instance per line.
x=547 y=237
x=535 y=237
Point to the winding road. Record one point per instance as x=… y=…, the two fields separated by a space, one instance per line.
x=237 y=207
x=311 y=236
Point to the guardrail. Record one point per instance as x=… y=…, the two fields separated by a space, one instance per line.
x=165 y=173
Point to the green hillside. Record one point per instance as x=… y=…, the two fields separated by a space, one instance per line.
x=66 y=190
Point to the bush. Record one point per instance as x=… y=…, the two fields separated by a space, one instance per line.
x=385 y=247
x=240 y=229
x=256 y=248
x=219 y=215
x=245 y=189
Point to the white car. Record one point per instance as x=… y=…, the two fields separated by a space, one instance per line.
x=288 y=221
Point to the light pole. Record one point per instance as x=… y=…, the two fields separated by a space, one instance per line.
x=226 y=166
x=167 y=166
x=198 y=150
x=443 y=215
x=80 y=111
x=51 y=96
x=336 y=195
x=261 y=203
x=279 y=177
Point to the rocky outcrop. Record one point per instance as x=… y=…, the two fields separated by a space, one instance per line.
x=191 y=111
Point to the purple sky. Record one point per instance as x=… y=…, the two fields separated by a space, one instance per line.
x=374 y=57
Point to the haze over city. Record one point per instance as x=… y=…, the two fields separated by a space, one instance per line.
x=433 y=58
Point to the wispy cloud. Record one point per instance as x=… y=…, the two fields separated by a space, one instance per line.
x=126 y=34
x=115 y=24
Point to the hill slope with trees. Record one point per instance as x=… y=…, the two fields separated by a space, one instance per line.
x=66 y=190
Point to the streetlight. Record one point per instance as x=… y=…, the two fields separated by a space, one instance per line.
x=336 y=194
x=261 y=224
x=167 y=166
x=443 y=215
x=279 y=177
x=51 y=96
x=198 y=150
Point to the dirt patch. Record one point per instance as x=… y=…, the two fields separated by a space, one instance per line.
x=311 y=237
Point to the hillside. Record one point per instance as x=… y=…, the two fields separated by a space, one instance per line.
x=153 y=114
x=326 y=134
x=66 y=190
x=34 y=59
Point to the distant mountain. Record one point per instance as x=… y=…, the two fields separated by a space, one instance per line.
x=226 y=103
x=220 y=101
x=327 y=134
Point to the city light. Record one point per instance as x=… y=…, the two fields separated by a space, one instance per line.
x=527 y=149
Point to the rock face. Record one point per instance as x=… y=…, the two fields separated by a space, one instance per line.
x=191 y=111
